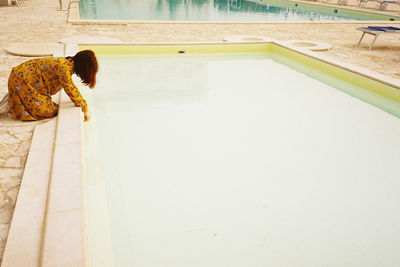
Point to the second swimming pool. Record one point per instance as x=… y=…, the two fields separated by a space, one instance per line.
x=241 y=159
x=218 y=10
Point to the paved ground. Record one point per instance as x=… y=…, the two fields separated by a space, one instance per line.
x=39 y=21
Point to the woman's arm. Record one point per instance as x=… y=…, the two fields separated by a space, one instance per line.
x=87 y=115
x=71 y=90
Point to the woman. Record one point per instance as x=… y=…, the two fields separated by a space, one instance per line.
x=31 y=85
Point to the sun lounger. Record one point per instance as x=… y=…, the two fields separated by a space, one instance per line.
x=339 y=2
x=381 y=4
x=10 y=2
x=385 y=3
x=363 y=3
x=376 y=30
x=17 y=2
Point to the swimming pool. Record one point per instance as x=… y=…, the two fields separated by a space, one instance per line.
x=218 y=10
x=218 y=159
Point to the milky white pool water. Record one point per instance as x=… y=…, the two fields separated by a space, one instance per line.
x=237 y=161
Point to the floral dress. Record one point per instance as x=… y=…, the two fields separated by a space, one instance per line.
x=31 y=85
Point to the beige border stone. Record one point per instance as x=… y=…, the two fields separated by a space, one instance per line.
x=83 y=39
x=25 y=235
x=246 y=38
x=308 y=45
x=35 y=49
x=349 y=67
x=65 y=237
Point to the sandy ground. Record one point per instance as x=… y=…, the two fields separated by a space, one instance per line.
x=40 y=21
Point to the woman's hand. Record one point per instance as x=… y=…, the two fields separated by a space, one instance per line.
x=87 y=115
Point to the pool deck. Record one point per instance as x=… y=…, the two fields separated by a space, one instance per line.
x=40 y=21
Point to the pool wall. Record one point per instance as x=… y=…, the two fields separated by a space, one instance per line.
x=378 y=84
x=49 y=222
x=375 y=83
x=373 y=17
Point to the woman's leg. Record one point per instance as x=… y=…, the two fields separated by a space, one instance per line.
x=42 y=107
x=26 y=103
x=16 y=107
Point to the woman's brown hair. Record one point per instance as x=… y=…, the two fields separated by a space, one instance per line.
x=86 y=67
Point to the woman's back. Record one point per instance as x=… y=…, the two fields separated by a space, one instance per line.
x=44 y=74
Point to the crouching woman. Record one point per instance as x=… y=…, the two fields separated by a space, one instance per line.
x=31 y=85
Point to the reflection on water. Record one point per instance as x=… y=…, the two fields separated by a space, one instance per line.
x=175 y=81
x=200 y=10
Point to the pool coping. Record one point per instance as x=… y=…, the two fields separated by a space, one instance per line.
x=55 y=231
x=74 y=18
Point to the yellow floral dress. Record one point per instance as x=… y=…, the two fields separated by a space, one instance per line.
x=31 y=85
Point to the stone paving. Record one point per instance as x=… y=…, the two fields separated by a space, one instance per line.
x=14 y=145
x=40 y=21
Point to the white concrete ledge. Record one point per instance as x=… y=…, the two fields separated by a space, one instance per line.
x=25 y=236
x=246 y=38
x=345 y=66
x=34 y=49
x=64 y=240
x=308 y=45
x=88 y=39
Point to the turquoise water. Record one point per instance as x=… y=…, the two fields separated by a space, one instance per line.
x=209 y=10
x=221 y=160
